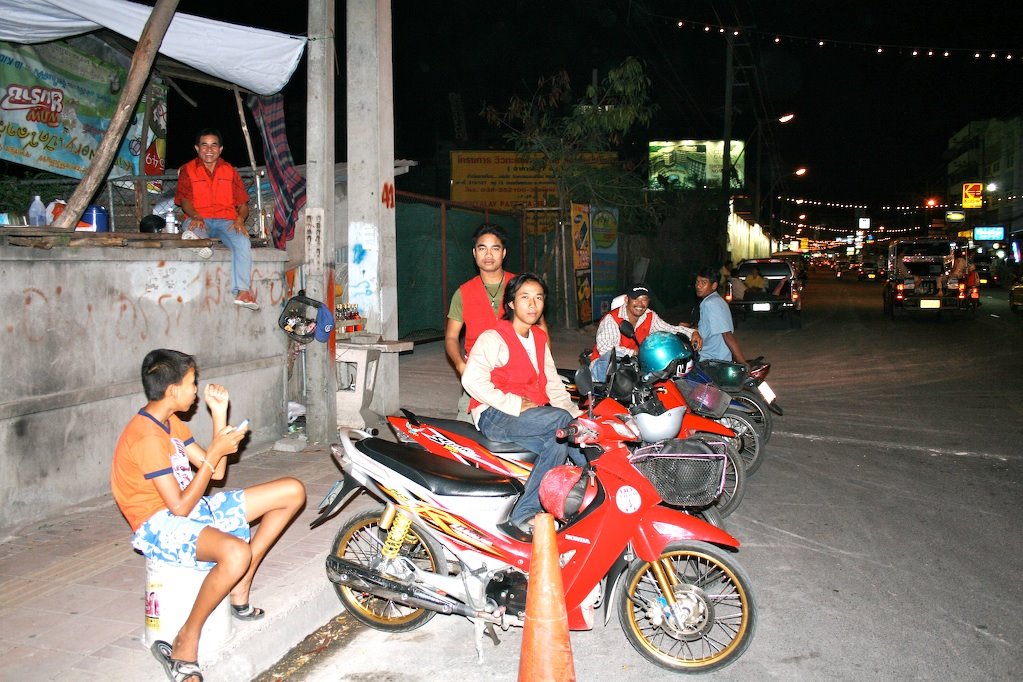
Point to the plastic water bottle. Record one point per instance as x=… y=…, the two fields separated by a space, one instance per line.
x=170 y=224
x=37 y=212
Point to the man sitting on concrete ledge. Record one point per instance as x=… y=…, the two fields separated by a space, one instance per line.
x=213 y=198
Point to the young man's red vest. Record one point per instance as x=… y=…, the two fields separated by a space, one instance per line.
x=477 y=313
x=213 y=197
x=518 y=376
x=642 y=331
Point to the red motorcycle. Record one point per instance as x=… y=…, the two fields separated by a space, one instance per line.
x=433 y=545
x=652 y=410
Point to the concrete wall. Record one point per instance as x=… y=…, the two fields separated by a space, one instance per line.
x=76 y=323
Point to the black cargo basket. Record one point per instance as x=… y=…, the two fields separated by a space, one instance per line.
x=685 y=473
x=298 y=319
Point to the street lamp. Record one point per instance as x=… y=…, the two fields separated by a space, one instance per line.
x=757 y=132
x=799 y=172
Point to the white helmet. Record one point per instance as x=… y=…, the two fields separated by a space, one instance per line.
x=655 y=428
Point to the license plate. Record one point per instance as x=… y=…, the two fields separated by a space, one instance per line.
x=931 y=303
x=871 y=276
x=983 y=281
x=766 y=391
x=761 y=307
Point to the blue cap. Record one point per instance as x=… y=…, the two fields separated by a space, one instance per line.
x=324 y=323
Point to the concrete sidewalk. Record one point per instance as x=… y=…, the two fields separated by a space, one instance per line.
x=71 y=588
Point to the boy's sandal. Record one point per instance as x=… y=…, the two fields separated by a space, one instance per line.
x=177 y=670
x=247 y=611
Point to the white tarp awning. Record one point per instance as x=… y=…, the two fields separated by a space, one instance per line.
x=256 y=59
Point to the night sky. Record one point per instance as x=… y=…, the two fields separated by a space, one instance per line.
x=872 y=128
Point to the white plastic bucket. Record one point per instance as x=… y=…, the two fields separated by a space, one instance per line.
x=170 y=593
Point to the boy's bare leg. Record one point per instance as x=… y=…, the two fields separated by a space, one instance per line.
x=274 y=504
x=232 y=556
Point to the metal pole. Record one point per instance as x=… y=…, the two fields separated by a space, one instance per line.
x=726 y=159
x=321 y=412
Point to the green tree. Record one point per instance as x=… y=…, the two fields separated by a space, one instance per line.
x=570 y=137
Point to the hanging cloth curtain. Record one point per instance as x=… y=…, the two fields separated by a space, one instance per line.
x=287 y=184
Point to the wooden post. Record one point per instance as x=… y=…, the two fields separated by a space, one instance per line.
x=261 y=232
x=138 y=74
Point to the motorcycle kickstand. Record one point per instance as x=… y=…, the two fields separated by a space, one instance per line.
x=481 y=629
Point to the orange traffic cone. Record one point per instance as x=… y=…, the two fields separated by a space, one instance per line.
x=546 y=650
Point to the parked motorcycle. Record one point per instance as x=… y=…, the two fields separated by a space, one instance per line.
x=671 y=355
x=748 y=388
x=434 y=546
x=460 y=441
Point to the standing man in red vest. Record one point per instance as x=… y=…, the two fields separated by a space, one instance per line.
x=637 y=311
x=213 y=198
x=517 y=395
x=476 y=305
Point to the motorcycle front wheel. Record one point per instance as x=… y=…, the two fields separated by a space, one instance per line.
x=747 y=440
x=360 y=541
x=694 y=612
x=735 y=479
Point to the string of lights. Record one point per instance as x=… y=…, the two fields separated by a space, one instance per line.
x=800 y=226
x=928 y=204
x=916 y=51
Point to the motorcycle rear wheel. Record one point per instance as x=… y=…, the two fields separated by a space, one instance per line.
x=360 y=541
x=715 y=616
x=761 y=414
x=747 y=440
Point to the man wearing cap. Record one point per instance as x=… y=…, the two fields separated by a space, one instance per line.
x=476 y=305
x=636 y=310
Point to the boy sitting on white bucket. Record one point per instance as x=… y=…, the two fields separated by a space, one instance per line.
x=163 y=500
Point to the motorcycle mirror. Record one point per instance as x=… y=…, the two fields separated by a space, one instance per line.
x=583 y=379
x=584 y=384
x=627 y=330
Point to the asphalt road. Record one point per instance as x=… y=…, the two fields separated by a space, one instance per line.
x=881 y=534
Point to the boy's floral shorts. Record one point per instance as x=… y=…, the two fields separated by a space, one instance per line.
x=166 y=537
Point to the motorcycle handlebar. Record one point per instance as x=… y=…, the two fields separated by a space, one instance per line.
x=575 y=432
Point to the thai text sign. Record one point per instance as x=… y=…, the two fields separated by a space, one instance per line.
x=509 y=180
x=55 y=104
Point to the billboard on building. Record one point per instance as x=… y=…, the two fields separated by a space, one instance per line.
x=56 y=103
x=694 y=164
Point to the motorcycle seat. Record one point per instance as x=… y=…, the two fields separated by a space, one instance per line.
x=467 y=430
x=436 y=474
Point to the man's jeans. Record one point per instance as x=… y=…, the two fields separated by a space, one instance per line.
x=533 y=430
x=238 y=243
x=598 y=367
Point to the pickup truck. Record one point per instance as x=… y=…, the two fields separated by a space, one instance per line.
x=780 y=297
x=917 y=278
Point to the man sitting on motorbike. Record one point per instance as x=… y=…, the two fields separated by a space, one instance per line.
x=516 y=393
x=637 y=311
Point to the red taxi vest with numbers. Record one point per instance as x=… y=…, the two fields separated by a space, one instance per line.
x=642 y=331
x=213 y=197
x=477 y=312
x=518 y=376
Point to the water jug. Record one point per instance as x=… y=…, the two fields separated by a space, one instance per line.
x=37 y=212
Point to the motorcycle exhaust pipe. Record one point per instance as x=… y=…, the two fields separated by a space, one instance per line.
x=342 y=572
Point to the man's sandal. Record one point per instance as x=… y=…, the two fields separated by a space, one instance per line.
x=177 y=670
x=247 y=611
